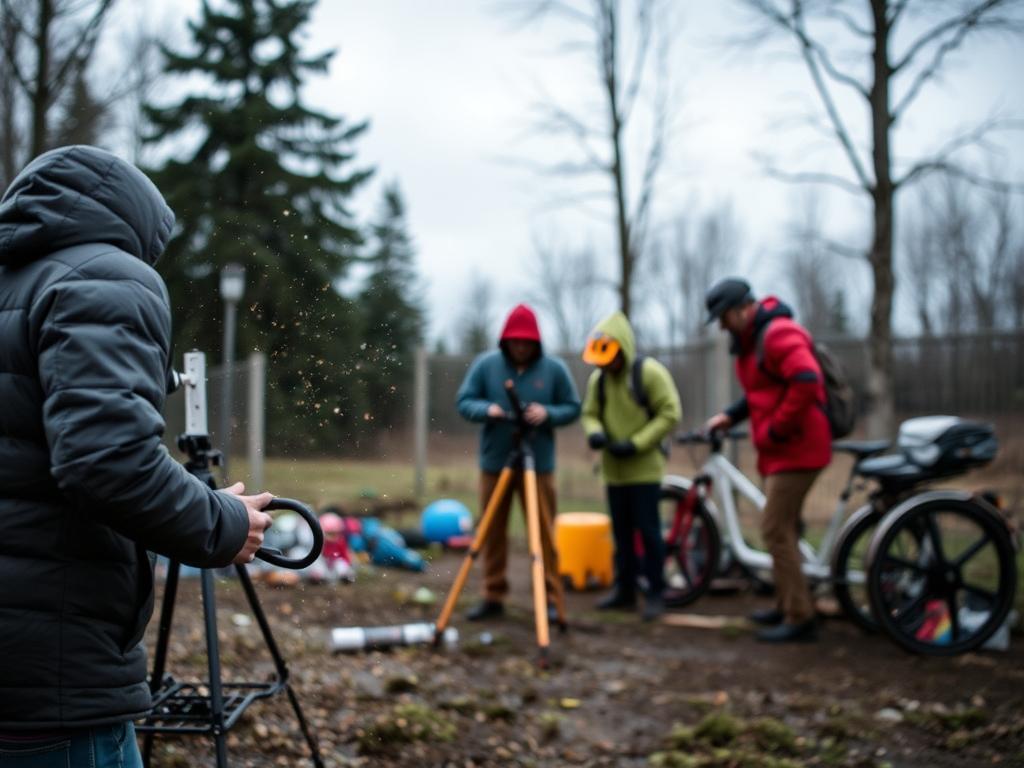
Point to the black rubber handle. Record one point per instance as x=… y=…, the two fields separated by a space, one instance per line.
x=517 y=405
x=275 y=557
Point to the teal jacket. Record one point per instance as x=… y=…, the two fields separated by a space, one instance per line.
x=545 y=381
x=624 y=418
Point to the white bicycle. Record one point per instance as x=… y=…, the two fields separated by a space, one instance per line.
x=705 y=535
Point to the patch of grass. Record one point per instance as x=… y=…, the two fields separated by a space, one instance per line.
x=971 y=717
x=407 y=723
x=773 y=735
x=958 y=740
x=718 y=729
x=680 y=737
x=675 y=760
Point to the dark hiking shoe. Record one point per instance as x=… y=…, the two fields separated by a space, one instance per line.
x=653 y=608
x=805 y=632
x=767 y=617
x=485 y=609
x=616 y=601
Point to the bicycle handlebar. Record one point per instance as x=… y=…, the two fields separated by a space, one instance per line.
x=714 y=438
x=276 y=556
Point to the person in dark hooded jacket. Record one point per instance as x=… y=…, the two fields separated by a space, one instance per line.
x=784 y=398
x=550 y=401
x=86 y=487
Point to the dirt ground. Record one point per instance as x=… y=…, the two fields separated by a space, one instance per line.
x=618 y=693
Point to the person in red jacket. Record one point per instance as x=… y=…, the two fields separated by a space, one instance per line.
x=784 y=397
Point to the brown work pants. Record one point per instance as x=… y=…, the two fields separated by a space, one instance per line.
x=780 y=528
x=495 y=546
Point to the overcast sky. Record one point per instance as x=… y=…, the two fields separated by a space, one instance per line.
x=448 y=85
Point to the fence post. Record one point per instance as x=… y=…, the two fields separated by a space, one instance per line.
x=420 y=416
x=719 y=374
x=257 y=365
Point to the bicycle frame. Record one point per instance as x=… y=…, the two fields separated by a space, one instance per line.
x=724 y=479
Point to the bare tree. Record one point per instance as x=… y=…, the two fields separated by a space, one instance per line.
x=475 y=326
x=568 y=289
x=699 y=248
x=48 y=46
x=889 y=92
x=628 y=49
x=813 y=274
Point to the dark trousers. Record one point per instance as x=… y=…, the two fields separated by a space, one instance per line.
x=635 y=508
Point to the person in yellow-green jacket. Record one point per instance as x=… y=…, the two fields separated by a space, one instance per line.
x=629 y=410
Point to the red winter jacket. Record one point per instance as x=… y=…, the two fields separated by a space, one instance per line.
x=785 y=392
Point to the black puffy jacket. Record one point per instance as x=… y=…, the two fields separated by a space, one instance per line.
x=86 y=487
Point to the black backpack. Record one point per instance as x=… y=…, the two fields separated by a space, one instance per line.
x=636 y=389
x=840 y=402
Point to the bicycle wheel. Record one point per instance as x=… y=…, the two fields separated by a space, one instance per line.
x=849 y=568
x=692 y=561
x=942 y=574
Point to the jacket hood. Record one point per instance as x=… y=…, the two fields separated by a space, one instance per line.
x=521 y=324
x=77 y=195
x=617 y=326
x=768 y=309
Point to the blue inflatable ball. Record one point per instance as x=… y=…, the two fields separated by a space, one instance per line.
x=445 y=518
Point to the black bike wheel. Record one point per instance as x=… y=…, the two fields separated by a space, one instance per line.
x=850 y=569
x=942 y=576
x=690 y=564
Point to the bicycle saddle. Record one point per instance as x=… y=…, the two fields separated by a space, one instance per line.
x=862 y=448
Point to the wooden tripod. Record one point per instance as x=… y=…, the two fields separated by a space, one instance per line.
x=520 y=458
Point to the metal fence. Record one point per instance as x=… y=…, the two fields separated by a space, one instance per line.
x=978 y=374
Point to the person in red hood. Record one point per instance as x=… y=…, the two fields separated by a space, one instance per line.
x=549 y=398
x=784 y=397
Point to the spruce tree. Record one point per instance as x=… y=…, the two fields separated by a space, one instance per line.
x=392 y=314
x=265 y=183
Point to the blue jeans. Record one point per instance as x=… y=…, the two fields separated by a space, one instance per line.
x=109 y=746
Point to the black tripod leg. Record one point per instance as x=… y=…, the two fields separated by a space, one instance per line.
x=162 y=639
x=213 y=658
x=279 y=663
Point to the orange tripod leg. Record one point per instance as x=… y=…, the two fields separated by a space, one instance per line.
x=548 y=530
x=484 y=527
x=533 y=524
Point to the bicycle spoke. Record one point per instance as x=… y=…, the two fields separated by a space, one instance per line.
x=954 y=617
x=936 y=539
x=981 y=592
x=909 y=608
x=972 y=550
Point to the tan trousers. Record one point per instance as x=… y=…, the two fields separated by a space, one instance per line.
x=495 y=547
x=785 y=494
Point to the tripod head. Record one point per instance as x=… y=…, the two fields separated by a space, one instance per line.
x=195 y=443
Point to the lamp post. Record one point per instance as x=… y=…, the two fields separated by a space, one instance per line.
x=232 y=286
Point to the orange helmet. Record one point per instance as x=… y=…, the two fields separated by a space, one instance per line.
x=601 y=349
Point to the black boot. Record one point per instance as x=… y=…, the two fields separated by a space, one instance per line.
x=617 y=600
x=654 y=606
x=767 y=617
x=485 y=609
x=805 y=632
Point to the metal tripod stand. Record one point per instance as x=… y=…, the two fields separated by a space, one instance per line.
x=213 y=707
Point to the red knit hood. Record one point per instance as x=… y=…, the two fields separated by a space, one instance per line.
x=521 y=324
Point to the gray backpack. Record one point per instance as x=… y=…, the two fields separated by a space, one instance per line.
x=840 y=402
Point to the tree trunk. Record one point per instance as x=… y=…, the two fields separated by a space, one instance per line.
x=10 y=140
x=611 y=83
x=881 y=414
x=41 y=97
